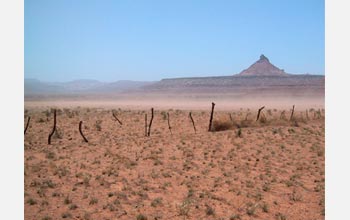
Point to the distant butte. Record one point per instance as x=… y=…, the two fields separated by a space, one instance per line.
x=263 y=67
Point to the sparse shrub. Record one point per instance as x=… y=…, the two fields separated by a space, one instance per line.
x=50 y=155
x=235 y=217
x=156 y=202
x=73 y=207
x=210 y=211
x=295 y=123
x=239 y=132
x=47 y=113
x=289 y=183
x=280 y=216
x=274 y=131
x=61 y=171
x=58 y=111
x=93 y=201
x=141 y=217
x=190 y=193
x=68 y=112
x=184 y=207
x=296 y=197
x=164 y=115
x=251 y=210
x=67 y=200
x=269 y=112
x=221 y=125
x=249 y=184
x=87 y=216
x=31 y=201
x=41 y=120
x=86 y=180
x=319 y=188
x=262 y=119
x=110 y=207
x=246 y=123
x=265 y=207
x=266 y=187
x=98 y=124
x=58 y=133
x=66 y=215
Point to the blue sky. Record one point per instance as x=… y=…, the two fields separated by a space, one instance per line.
x=110 y=40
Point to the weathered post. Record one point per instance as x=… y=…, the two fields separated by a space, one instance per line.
x=117 y=118
x=54 y=127
x=211 y=115
x=291 y=115
x=194 y=126
x=169 y=123
x=257 y=117
x=150 y=123
x=25 y=130
x=146 y=125
x=81 y=132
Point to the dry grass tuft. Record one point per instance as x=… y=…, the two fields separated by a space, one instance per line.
x=222 y=125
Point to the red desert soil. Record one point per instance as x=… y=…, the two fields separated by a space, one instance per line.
x=270 y=169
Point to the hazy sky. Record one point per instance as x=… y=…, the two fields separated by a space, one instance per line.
x=111 y=40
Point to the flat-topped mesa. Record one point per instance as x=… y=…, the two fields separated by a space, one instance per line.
x=263 y=67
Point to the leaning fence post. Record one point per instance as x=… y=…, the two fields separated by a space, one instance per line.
x=54 y=127
x=150 y=123
x=257 y=117
x=194 y=126
x=211 y=115
x=25 y=130
x=117 y=118
x=81 y=133
x=291 y=115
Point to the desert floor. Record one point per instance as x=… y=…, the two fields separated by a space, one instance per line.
x=267 y=169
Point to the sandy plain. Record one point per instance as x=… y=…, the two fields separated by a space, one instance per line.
x=267 y=169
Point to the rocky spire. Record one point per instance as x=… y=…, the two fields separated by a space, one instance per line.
x=263 y=67
x=263 y=58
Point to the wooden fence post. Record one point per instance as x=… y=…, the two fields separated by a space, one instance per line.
x=54 y=127
x=81 y=133
x=194 y=126
x=117 y=118
x=25 y=130
x=150 y=123
x=146 y=125
x=257 y=117
x=211 y=115
x=291 y=115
